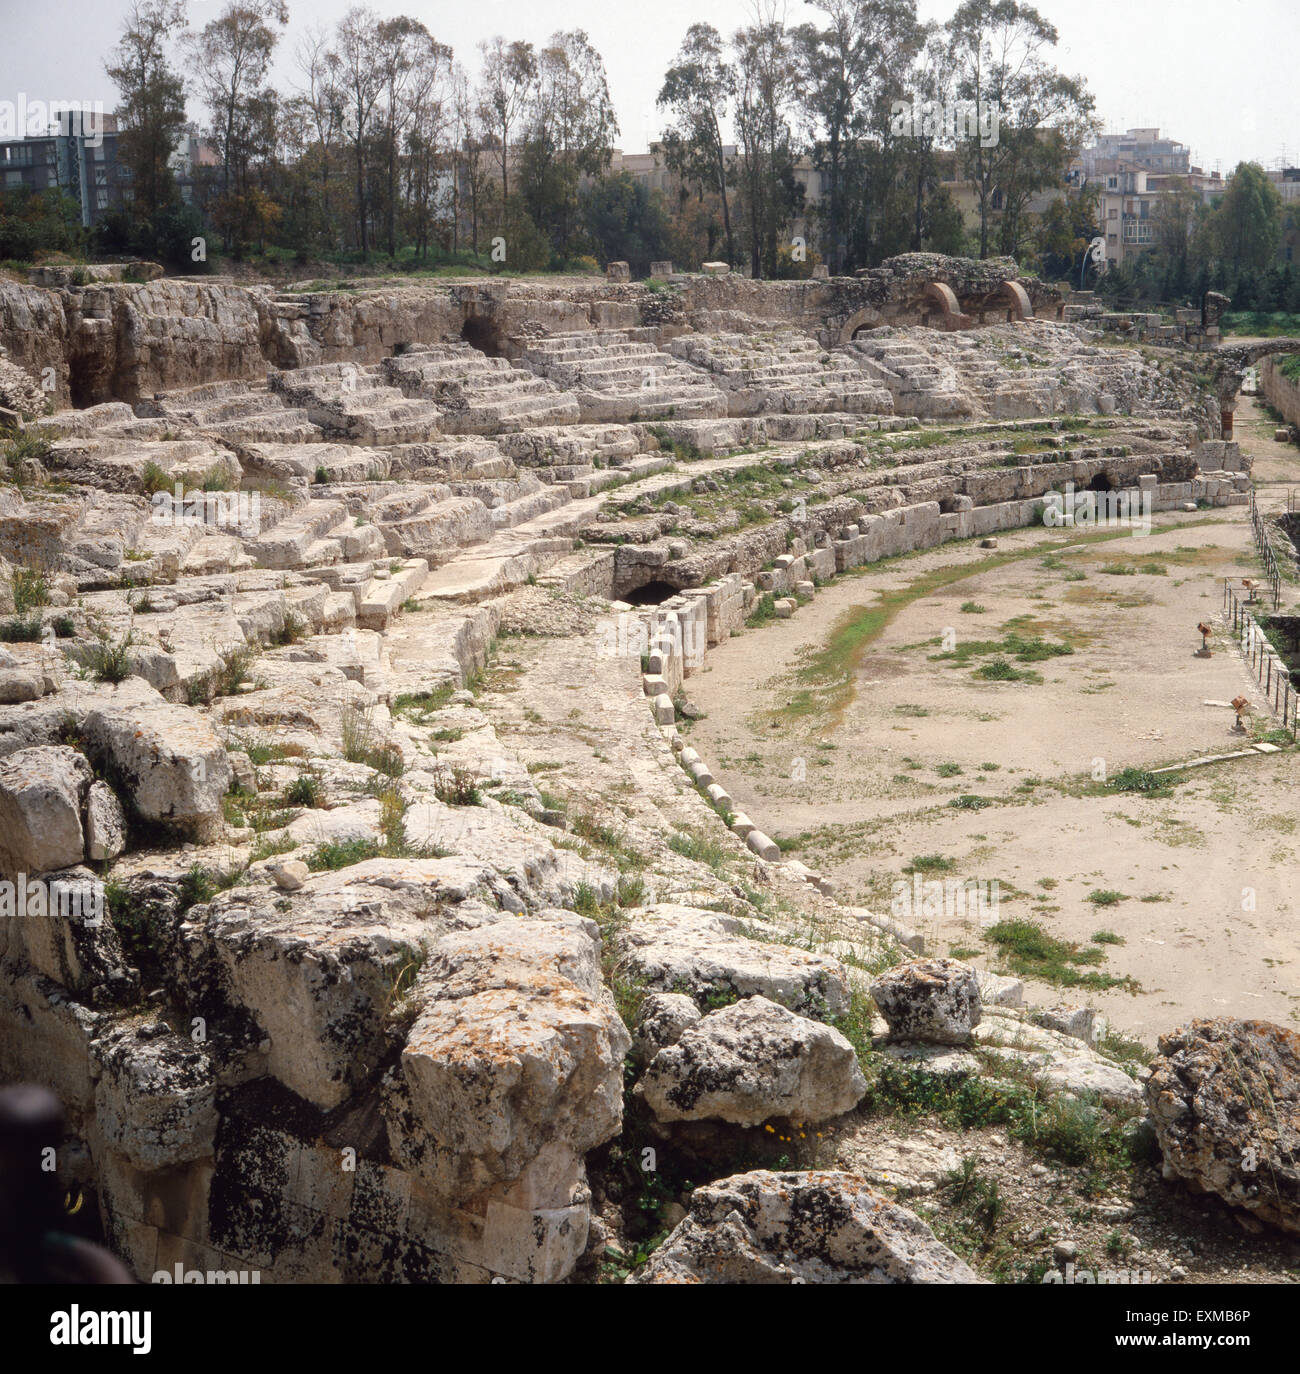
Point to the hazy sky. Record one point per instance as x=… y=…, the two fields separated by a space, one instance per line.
x=1220 y=75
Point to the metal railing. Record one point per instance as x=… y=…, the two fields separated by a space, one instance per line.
x=1265 y=548
x=1271 y=672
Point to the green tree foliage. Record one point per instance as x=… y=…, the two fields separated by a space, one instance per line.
x=151 y=108
x=998 y=49
x=698 y=90
x=625 y=222
x=1246 y=225
x=32 y=222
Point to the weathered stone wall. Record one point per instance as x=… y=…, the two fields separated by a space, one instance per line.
x=34 y=334
x=1279 y=391
x=109 y=341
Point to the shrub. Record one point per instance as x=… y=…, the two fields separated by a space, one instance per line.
x=361 y=743
x=457 y=787
x=109 y=662
x=1143 y=781
x=154 y=479
x=30 y=590
x=305 y=791
x=337 y=854
x=21 y=631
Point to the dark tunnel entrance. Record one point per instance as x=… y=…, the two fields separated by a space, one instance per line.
x=484 y=334
x=650 y=594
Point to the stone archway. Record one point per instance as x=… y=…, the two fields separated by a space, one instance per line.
x=1019 y=306
x=941 y=309
x=1231 y=362
x=860 y=319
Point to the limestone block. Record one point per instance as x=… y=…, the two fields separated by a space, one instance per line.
x=810 y=1227
x=42 y=791
x=933 y=1000
x=750 y=1062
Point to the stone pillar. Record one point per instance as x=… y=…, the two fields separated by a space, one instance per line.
x=661 y=269
x=618 y=271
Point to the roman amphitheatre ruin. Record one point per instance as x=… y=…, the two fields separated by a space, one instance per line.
x=534 y=740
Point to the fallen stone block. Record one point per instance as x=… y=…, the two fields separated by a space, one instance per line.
x=753 y=1061
x=701 y=953
x=812 y=1227
x=1224 y=1096
x=166 y=760
x=933 y=1000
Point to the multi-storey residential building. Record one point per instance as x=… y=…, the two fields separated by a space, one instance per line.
x=78 y=157
x=1142 y=149
x=1133 y=171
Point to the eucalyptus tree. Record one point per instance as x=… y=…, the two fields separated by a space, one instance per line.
x=570 y=132
x=505 y=94
x=999 y=50
x=151 y=108
x=698 y=90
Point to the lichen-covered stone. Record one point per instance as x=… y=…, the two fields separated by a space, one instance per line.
x=1224 y=1096
x=42 y=791
x=682 y=949
x=933 y=1000
x=753 y=1061
x=765 y=1227
x=155 y=1100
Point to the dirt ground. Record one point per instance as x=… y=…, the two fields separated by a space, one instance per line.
x=1196 y=887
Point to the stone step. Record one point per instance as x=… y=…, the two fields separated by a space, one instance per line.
x=529 y=507
x=383 y=597
x=435 y=533
x=341 y=462
x=298 y=540
x=289 y=426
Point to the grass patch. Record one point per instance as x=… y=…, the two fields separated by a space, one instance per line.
x=457 y=786
x=1031 y=952
x=763 y=612
x=30 y=590
x=362 y=743
x=930 y=863
x=1105 y=896
x=589 y=828
x=700 y=848
x=21 y=631
x=336 y=854
x=305 y=791
x=107 y=661
x=419 y=706
x=1143 y=782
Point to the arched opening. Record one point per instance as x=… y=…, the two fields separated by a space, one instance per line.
x=650 y=594
x=1016 y=299
x=483 y=333
x=1101 y=482
x=858 y=323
